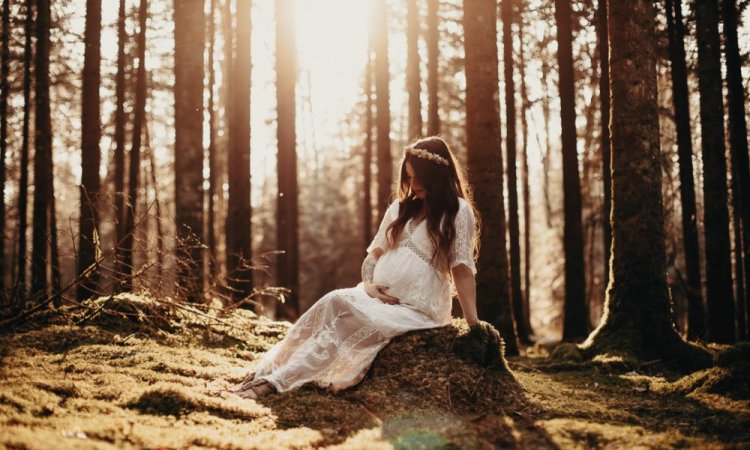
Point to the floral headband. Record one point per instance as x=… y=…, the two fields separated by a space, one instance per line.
x=424 y=154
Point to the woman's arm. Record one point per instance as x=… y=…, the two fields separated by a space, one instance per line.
x=466 y=288
x=372 y=289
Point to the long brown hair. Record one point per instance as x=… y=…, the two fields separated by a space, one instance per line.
x=443 y=186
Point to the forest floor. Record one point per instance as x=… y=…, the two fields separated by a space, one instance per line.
x=140 y=374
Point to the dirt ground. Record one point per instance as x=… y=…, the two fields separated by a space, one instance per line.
x=135 y=376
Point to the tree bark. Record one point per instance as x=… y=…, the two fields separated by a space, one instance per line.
x=433 y=37
x=738 y=146
x=720 y=299
x=412 y=70
x=525 y=105
x=287 y=211
x=135 y=151
x=510 y=149
x=23 y=183
x=546 y=151
x=575 y=324
x=189 y=23
x=119 y=156
x=680 y=98
x=91 y=132
x=213 y=166
x=42 y=155
x=604 y=141
x=367 y=163
x=383 y=116
x=239 y=233
x=637 y=320
x=4 y=87
x=485 y=165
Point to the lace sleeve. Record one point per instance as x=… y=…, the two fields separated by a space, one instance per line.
x=463 y=246
x=380 y=240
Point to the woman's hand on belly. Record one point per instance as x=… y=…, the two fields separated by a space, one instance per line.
x=379 y=291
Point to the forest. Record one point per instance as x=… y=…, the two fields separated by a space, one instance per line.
x=182 y=180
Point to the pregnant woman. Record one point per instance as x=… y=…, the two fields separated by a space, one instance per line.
x=425 y=246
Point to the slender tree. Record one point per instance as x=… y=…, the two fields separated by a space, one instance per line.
x=189 y=24
x=139 y=117
x=604 y=140
x=525 y=106
x=119 y=156
x=287 y=212
x=575 y=324
x=738 y=146
x=213 y=164
x=91 y=132
x=510 y=151
x=23 y=182
x=547 y=149
x=412 y=69
x=637 y=319
x=720 y=299
x=433 y=36
x=238 y=228
x=382 y=96
x=680 y=98
x=485 y=165
x=42 y=155
x=367 y=162
x=4 y=88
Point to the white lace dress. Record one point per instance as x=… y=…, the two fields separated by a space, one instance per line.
x=333 y=344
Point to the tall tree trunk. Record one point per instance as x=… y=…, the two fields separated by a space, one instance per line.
x=412 y=69
x=189 y=24
x=720 y=299
x=738 y=145
x=485 y=165
x=637 y=319
x=54 y=253
x=680 y=98
x=525 y=105
x=287 y=211
x=510 y=149
x=367 y=163
x=157 y=206
x=739 y=272
x=575 y=324
x=433 y=36
x=239 y=250
x=23 y=183
x=4 y=87
x=546 y=152
x=91 y=132
x=604 y=142
x=42 y=154
x=119 y=157
x=213 y=165
x=135 y=150
x=383 y=118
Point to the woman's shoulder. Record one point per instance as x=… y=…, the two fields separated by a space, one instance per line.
x=464 y=205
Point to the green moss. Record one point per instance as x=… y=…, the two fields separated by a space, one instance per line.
x=119 y=382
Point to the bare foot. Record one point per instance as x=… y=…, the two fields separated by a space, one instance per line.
x=255 y=390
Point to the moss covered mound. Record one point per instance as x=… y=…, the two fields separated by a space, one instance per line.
x=729 y=377
x=451 y=367
x=442 y=388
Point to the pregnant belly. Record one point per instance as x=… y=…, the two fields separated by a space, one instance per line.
x=404 y=274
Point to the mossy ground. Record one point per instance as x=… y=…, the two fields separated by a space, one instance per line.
x=122 y=380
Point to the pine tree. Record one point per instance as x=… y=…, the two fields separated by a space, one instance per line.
x=485 y=166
